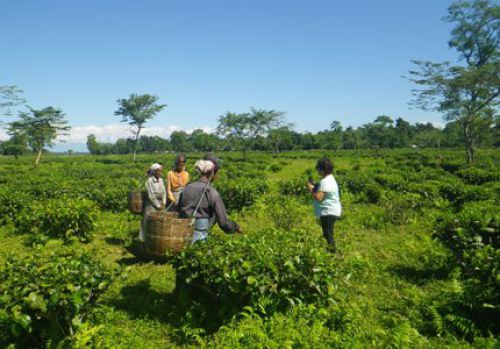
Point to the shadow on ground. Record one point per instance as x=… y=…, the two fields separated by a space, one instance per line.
x=419 y=276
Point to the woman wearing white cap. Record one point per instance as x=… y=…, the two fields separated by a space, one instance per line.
x=156 y=197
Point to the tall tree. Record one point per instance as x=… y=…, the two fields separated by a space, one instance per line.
x=350 y=139
x=136 y=110
x=180 y=141
x=92 y=145
x=245 y=127
x=403 y=134
x=466 y=93
x=281 y=138
x=41 y=127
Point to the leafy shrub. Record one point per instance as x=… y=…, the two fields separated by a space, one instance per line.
x=275 y=168
x=355 y=182
x=390 y=181
x=402 y=208
x=477 y=176
x=268 y=271
x=428 y=191
x=287 y=212
x=45 y=298
x=473 y=236
x=66 y=218
x=240 y=193
x=111 y=198
x=295 y=187
x=10 y=203
x=373 y=193
x=452 y=166
x=451 y=189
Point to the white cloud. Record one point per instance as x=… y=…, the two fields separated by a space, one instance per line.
x=3 y=135
x=111 y=133
x=437 y=124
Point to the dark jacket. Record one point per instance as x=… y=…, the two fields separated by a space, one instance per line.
x=211 y=205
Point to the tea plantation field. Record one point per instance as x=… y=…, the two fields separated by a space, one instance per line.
x=417 y=267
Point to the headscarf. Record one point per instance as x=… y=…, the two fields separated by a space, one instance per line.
x=204 y=166
x=154 y=167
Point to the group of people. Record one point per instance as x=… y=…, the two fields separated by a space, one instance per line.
x=200 y=200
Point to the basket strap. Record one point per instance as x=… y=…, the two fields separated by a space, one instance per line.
x=201 y=198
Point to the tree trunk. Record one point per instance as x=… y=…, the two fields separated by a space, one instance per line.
x=469 y=143
x=136 y=141
x=38 y=157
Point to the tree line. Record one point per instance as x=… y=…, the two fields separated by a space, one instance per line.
x=383 y=132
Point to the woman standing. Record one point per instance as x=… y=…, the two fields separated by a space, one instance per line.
x=327 y=205
x=156 y=195
x=177 y=179
x=201 y=200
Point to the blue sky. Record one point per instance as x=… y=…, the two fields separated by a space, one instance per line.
x=318 y=61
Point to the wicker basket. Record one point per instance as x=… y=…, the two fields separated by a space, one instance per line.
x=135 y=201
x=164 y=231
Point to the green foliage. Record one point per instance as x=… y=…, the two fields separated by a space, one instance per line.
x=477 y=176
x=393 y=284
x=473 y=236
x=240 y=193
x=44 y=298
x=373 y=193
x=66 y=218
x=40 y=127
x=294 y=187
x=268 y=270
x=402 y=208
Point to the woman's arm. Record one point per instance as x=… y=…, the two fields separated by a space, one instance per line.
x=318 y=195
x=169 y=188
x=223 y=220
x=164 y=196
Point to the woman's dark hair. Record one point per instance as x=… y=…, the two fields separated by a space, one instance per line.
x=325 y=165
x=180 y=158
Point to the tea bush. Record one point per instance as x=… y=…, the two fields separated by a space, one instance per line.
x=402 y=208
x=294 y=187
x=473 y=237
x=67 y=218
x=48 y=297
x=477 y=176
x=373 y=193
x=268 y=271
x=240 y=193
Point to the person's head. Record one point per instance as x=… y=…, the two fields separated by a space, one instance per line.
x=155 y=170
x=208 y=167
x=180 y=162
x=324 y=166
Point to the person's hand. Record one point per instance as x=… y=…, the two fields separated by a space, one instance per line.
x=310 y=187
x=239 y=230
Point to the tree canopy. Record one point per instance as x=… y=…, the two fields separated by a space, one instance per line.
x=136 y=110
x=41 y=128
x=467 y=93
